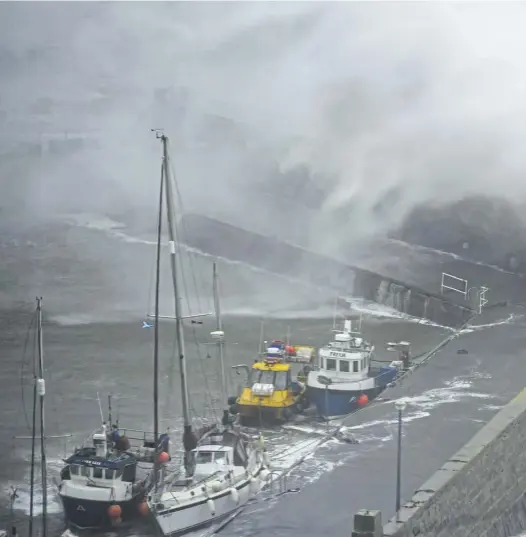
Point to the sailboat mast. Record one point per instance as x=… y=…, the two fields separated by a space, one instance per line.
x=219 y=327
x=156 y=332
x=178 y=320
x=41 y=393
x=33 y=449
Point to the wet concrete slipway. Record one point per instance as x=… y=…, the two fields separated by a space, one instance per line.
x=96 y=285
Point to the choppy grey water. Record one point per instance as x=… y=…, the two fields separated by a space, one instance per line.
x=96 y=282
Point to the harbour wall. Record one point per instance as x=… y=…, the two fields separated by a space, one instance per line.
x=224 y=240
x=480 y=491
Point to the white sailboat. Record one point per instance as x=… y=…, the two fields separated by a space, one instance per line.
x=224 y=468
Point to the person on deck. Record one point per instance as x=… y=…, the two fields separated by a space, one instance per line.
x=114 y=435
x=164 y=443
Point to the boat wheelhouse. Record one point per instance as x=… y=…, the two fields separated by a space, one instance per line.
x=270 y=393
x=345 y=378
x=102 y=484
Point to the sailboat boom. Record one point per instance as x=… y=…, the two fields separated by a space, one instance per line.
x=173 y=318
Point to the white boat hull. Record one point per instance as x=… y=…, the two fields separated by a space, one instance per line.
x=186 y=517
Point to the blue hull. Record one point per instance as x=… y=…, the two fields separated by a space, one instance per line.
x=339 y=402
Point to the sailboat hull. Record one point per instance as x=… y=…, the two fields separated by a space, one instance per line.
x=182 y=519
x=92 y=514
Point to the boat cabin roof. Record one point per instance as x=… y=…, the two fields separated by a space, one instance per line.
x=87 y=457
x=342 y=337
x=352 y=344
x=212 y=447
x=271 y=366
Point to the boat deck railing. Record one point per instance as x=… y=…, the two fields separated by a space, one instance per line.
x=142 y=443
x=147 y=438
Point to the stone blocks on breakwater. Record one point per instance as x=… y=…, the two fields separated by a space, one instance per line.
x=479 y=491
x=268 y=253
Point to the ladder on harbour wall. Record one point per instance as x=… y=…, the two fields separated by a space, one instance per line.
x=454 y=284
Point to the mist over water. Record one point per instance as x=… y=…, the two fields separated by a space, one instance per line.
x=321 y=123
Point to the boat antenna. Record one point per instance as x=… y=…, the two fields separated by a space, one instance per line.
x=220 y=340
x=189 y=439
x=261 y=335
x=41 y=392
x=109 y=410
x=156 y=334
x=100 y=408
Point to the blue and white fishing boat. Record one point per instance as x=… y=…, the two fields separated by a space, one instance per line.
x=344 y=379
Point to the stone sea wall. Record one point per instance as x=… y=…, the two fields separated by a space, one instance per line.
x=479 y=491
x=268 y=253
x=473 y=491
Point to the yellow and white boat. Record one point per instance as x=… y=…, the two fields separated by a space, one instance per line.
x=270 y=393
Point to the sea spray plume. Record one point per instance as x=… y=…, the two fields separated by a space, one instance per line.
x=384 y=105
x=432 y=120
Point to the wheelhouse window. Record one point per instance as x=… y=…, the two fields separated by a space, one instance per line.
x=74 y=469
x=344 y=366
x=265 y=377
x=109 y=473
x=220 y=457
x=331 y=364
x=280 y=382
x=128 y=474
x=85 y=471
x=97 y=473
x=280 y=379
x=355 y=366
x=204 y=457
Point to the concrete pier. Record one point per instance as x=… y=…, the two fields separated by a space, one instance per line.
x=479 y=491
